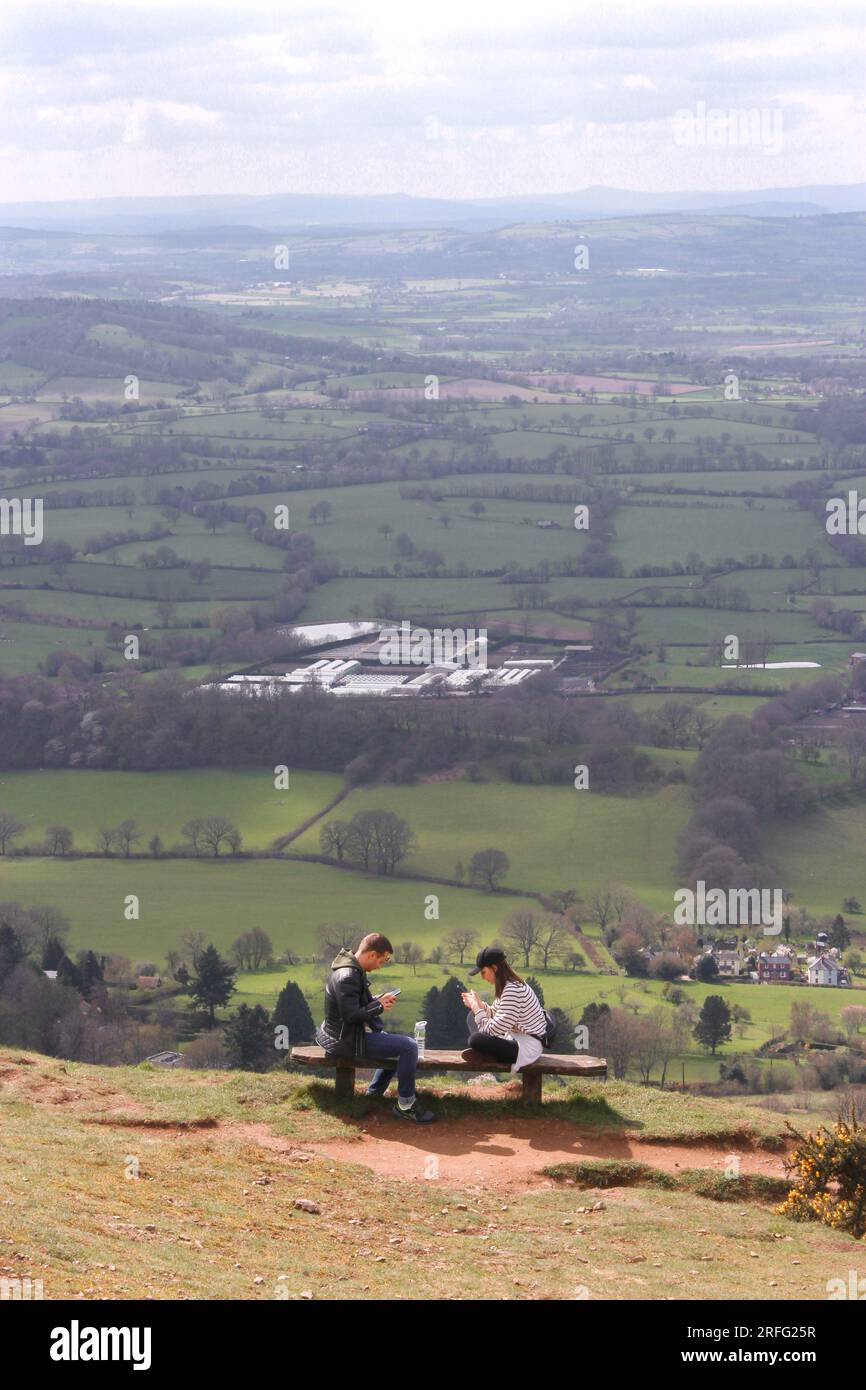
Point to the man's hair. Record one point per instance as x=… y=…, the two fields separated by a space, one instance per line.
x=376 y=942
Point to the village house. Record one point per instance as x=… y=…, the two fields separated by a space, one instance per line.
x=774 y=969
x=730 y=962
x=826 y=970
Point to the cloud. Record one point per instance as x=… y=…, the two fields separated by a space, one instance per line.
x=267 y=96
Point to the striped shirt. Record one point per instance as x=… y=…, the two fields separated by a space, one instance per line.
x=517 y=1010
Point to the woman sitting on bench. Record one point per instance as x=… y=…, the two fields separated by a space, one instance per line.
x=512 y=1029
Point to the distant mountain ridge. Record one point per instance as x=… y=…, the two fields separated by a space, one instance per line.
x=285 y=210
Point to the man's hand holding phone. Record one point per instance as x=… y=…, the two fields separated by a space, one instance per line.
x=388 y=1000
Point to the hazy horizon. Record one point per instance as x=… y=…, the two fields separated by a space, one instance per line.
x=161 y=100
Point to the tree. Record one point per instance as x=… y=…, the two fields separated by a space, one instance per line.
x=446 y=1016
x=706 y=969
x=193 y=831
x=487 y=867
x=193 y=943
x=69 y=974
x=334 y=937
x=563 y=1037
x=535 y=986
x=334 y=836
x=621 y=1041
x=714 y=1023
x=379 y=840
x=12 y=951
x=293 y=1012
x=522 y=931
x=553 y=936
x=839 y=933
x=127 y=834
x=249 y=1039
x=58 y=840
x=10 y=827
x=92 y=974
x=106 y=837
x=605 y=903
x=409 y=953
x=253 y=949
x=459 y=941
x=211 y=832
x=213 y=984
x=53 y=953
x=48 y=924
x=200 y=570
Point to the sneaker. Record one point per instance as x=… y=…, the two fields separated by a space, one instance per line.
x=415 y=1112
x=380 y=1095
x=479 y=1058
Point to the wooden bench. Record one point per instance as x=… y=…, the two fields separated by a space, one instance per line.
x=552 y=1064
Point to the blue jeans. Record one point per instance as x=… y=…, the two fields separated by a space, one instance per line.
x=388 y=1045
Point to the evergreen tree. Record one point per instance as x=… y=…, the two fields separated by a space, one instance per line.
x=12 y=951
x=293 y=1012
x=707 y=969
x=563 y=1038
x=431 y=1012
x=446 y=1016
x=69 y=974
x=534 y=984
x=714 y=1023
x=213 y=983
x=91 y=972
x=53 y=953
x=596 y=1017
x=249 y=1039
x=840 y=937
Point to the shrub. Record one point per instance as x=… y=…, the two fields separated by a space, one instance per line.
x=831 y=1176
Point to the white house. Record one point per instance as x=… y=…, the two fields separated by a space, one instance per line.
x=824 y=970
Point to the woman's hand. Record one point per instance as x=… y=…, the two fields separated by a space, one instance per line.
x=471 y=1000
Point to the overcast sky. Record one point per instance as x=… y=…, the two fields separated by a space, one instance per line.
x=456 y=98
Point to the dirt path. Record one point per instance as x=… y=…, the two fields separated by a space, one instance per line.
x=506 y=1157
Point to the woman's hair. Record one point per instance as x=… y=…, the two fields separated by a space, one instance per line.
x=504 y=974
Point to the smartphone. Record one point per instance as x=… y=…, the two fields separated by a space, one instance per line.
x=388 y=991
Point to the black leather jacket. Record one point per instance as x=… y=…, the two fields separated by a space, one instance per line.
x=349 y=1009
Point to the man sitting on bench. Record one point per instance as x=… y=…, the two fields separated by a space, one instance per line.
x=353 y=1027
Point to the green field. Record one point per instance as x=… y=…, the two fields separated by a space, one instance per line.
x=288 y=899
x=555 y=837
x=161 y=802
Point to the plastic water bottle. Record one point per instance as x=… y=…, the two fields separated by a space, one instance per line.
x=420 y=1035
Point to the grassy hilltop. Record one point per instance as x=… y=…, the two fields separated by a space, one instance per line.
x=222 y=1159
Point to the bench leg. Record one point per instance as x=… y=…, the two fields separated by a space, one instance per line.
x=531 y=1088
x=345 y=1083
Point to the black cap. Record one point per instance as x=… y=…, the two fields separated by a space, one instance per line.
x=491 y=955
